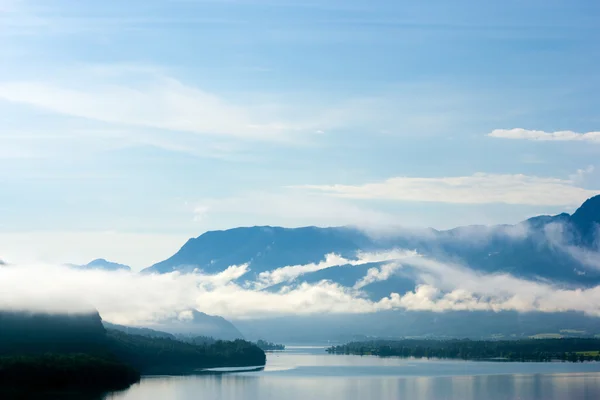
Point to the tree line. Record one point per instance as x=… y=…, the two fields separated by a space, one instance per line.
x=165 y=356
x=566 y=349
x=269 y=346
x=64 y=351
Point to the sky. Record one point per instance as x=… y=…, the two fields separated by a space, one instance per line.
x=128 y=127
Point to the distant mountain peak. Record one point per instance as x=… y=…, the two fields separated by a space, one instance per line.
x=590 y=210
x=586 y=220
x=196 y=323
x=101 y=263
x=267 y=247
x=98 y=261
x=541 y=220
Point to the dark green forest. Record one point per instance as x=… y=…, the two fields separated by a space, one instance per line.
x=169 y=356
x=571 y=349
x=44 y=351
x=268 y=346
x=53 y=371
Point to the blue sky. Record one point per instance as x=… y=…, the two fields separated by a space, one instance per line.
x=127 y=127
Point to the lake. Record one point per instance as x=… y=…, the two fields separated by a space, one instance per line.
x=304 y=373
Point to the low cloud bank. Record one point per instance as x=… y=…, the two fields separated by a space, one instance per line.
x=128 y=298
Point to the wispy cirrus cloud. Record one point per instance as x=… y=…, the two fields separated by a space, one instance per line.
x=558 y=136
x=164 y=103
x=100 y=107
x=479 y=188
x=128 y=104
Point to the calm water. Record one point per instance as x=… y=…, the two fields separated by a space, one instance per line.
x=302 y=373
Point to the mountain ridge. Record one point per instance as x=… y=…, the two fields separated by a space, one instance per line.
x=102 y=264
x=270 y=244
x=271 y=247
x=538 y=249
x=196 y=323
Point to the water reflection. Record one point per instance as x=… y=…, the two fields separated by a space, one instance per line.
x=40 y=395
x=307 y=374
x=495 y=387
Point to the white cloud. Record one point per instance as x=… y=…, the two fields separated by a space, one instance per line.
x=228 y=275
x=479 y=188
x=589 y=258
x=581 y=173
x=483 y=233
x=291 y=272
x=378 y=274
x=128 y=298
x=447 y=287
x=145 y=105
x=526 y=134
x=150 y=105
x=559 y=235
x=163 y=103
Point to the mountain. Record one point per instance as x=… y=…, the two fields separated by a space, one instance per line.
x=525 y=250
x=103 y=264
x=40 y=352
x=560 y=249
x=74 y=351
x=542 y=220
x=586 y=222
x=341 y=328
x=265 y=247
x=24 y=332
x=193 y=323
x=147 y=332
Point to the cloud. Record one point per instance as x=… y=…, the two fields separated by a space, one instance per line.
x=162 y=103
x=483 y=233
x=446 y=287
x=143 y=105
x=378 y=274
x=562 y=136
x=119 y=296
x=291 y=272
x=479 y=188
x=226 y=276
x=586 y=257
x=134 y=299
x=128 y=298
x=560 y=237
x=581 y=173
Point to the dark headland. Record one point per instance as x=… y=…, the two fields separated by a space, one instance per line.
x=75 y=352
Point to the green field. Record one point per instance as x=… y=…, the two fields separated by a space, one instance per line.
x=589 y=353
